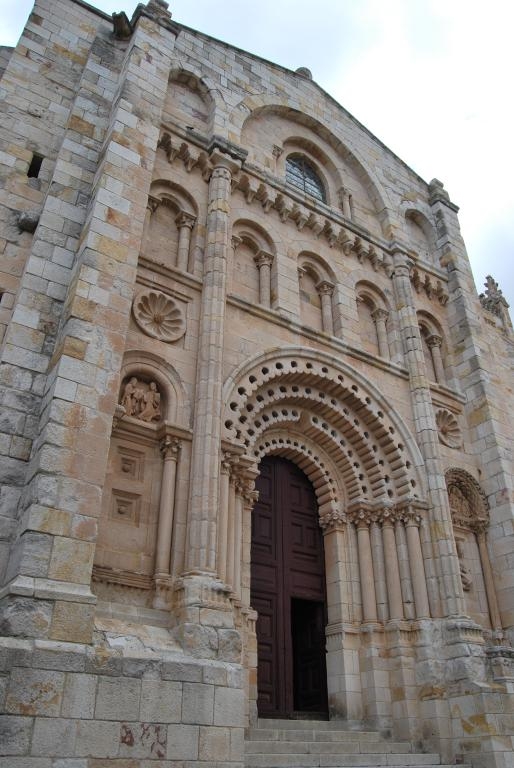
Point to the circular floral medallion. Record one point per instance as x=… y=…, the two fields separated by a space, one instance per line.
x=448 y=429
x=159 y=315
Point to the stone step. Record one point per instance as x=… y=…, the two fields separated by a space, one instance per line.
x=320 y=747
x=307 y=724
x=298 y=760
x=340 y=735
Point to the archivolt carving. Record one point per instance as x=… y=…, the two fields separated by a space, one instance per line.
x=448 y=429
x=310 y=459
x=159 y=316
x=468 y=503
x=332 y=411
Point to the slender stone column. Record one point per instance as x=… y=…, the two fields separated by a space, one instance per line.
x=451 y=598
x=185 y=223
x=492 y=600
x=379 y=571
x=325 y=290
x=434 y=343
x=206 y=449
x=369 y=601
x=264 y=261
x=380 y=316
x=353 y=565
x=223 y=516
x=170 y=448
x=238 y=539
x=392 y=571
x=230 y=565
x=419 y=584
x=404 y=568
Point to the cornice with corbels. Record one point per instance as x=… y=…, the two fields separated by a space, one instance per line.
x=258 y=191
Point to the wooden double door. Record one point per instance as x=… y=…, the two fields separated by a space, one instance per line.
x=288 y=592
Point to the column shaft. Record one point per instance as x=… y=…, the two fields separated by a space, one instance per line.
x=492 y=600
x=223 y=519
x=417 y=571
x=392 y=570
x=205 y=460
x=170 y=450
x=369 y=602
x=185 y=224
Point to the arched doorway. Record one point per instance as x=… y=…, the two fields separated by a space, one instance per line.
x=288 y=592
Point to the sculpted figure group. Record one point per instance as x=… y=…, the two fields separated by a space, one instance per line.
x=141 y=401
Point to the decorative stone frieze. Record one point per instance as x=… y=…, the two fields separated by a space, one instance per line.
x=159 y=315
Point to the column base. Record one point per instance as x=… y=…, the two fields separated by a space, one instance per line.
x=205 y=618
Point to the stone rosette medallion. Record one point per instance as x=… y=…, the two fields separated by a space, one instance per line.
x=159 y=315
x=448 y=429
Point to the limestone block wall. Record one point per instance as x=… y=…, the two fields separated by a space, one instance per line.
x=176 y=309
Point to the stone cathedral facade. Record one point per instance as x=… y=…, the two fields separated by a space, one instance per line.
x=256 y=422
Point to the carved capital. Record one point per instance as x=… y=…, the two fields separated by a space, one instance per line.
x=325 y=288
x=153 y=203
x=185 y=219
x=332 y=519
x=262 y=258
x=236 y=241
x=170 y=447
x=380 y=315
x=434 y=340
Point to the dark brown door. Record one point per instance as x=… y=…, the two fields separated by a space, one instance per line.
x=288 y=592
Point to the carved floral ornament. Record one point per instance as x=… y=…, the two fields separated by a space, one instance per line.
x=159 y=315
x=448 y=429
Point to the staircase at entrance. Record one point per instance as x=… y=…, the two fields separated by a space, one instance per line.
x=311 y=744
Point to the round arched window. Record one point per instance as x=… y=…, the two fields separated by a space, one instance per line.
x=301 y=174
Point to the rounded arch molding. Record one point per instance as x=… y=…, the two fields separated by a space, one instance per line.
x=296 y=111
x=374 y=457
x=468 y=502
x=181 y=71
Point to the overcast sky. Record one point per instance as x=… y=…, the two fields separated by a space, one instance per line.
x=431 y=78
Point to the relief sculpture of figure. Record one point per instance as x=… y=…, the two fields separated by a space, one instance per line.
x=465 y=575
x=128 y=399
x=151 y=404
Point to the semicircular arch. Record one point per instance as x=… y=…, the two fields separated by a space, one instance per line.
x=258 y=105
x=335 y=407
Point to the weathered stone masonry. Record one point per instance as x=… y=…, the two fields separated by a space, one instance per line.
x=207 y=263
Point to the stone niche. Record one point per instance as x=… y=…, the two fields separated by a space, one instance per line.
x=125 y=552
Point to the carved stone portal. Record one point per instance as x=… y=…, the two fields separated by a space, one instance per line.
x=159 y=316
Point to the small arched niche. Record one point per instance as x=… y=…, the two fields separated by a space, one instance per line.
x=253 y=275
x=373 y=318
x=170 y=219
x=470 y=519
x=316 y=286
x=188 y=102
x=434 y=348
x=421 y=236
